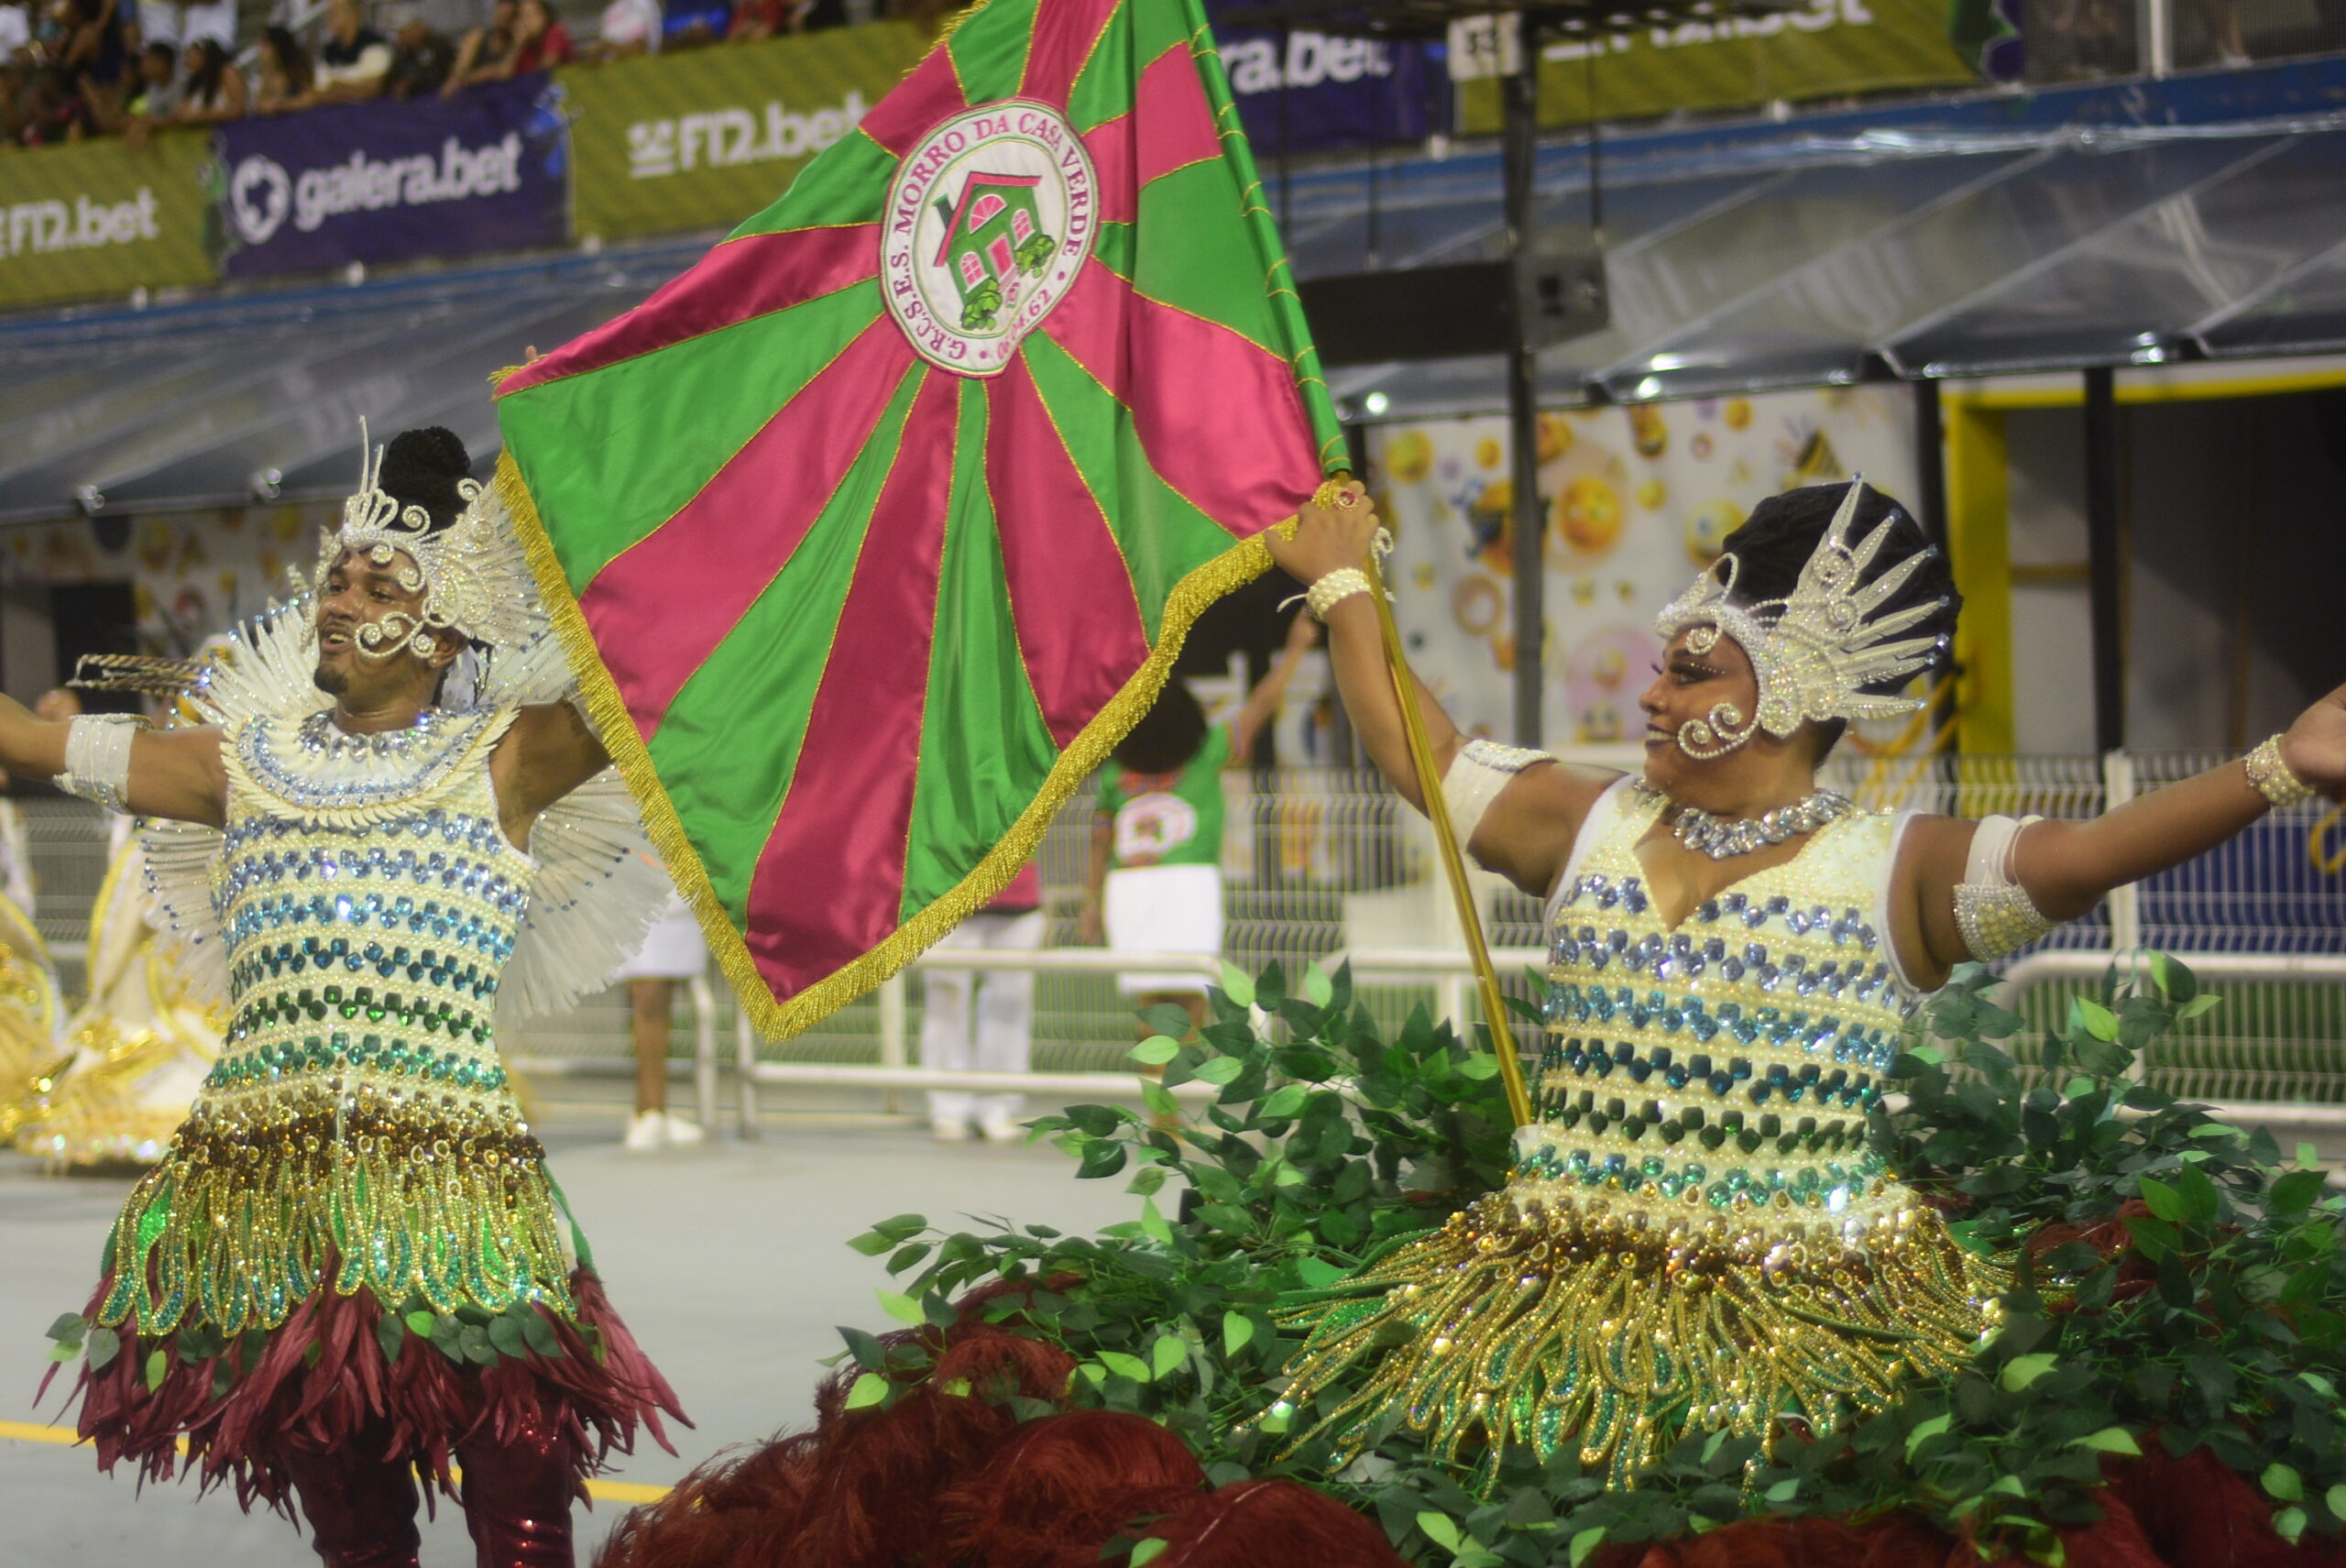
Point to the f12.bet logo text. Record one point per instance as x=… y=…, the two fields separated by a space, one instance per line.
x=40 y=228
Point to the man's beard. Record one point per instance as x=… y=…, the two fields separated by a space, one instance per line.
x=331 y=681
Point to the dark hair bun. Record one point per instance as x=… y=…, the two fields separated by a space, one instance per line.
x=420 y=467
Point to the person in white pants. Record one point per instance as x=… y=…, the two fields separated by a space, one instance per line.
x=1003 y=1037
x=673 y=950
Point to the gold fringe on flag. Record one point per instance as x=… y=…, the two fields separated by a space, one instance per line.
x=607 y=711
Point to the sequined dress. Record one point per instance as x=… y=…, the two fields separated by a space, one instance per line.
x=1695 y=1235
x=355 y=1225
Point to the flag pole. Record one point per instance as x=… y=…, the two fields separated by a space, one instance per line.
x=1495 y=1014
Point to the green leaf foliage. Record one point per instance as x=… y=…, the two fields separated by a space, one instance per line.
x=2175 y=1283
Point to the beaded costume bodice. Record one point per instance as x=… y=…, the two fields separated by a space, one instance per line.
x=369 y=899
x=1725 y=1065
x=357 y=1129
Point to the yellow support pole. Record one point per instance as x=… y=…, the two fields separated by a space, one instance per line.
x=1454 y=864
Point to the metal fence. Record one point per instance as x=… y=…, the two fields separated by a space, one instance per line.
x=2092 y=40
x=1322 y=861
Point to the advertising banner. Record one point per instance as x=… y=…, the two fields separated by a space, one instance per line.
x=1832 y=49
x=699 y=140
x=1306 y=92
x=378 y=183
x=94 y=218
x=1636 y=500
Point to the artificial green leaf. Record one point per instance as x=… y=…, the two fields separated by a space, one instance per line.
x=869 y=1388
x=105 y=1345
x=1237 y=1328
x=2336 y=1500
x=1584 y=1542
x=420 y=1323
x=2164 y=1201
x=68 y=1326
x=1125 y=1365
x=2109 y=1440
x=159 y=1364
x=1926 y=1431
x=1283 y=1101
x=2196 y=1007
x=1236 y=986
x=1157 y=1050
x=2289 y=1524
x=506 y=1335
x=1441 y=1529
x=2093 y=1017
x=538 y=1333
x=901 y=1307
x=1318 y=989
x=2283 y=1480
x=1150 y=1549
x=1219 y=1070
x=2024 y=1370
x=1151 y=1223
x=1167 y=1355
x=391 y=1335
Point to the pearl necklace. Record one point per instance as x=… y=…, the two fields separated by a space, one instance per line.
x=1701 y=832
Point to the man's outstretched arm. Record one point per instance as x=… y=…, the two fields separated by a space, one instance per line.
x=164 y=773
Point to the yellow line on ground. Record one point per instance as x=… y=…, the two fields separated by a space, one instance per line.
x=601 y=1491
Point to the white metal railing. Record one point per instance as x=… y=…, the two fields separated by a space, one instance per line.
x=1449 y=969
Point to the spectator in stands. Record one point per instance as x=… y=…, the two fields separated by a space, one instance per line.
x=754 y=19
x=158 y=91
x=281 y=72
x=420 y=61
x=540 y=43
x=180 y=23
x=354 y=60
x=215 y=87
x=15 y=31
x=629 y=26
x=483 y=47
x=688 y=24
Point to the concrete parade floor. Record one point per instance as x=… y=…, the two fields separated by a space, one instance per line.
x=728 y=1262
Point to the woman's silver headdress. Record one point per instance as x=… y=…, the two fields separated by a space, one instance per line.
x=471 y=574
x=1814 y=651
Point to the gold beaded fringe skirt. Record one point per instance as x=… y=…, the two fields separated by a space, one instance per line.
x=1539 y=1322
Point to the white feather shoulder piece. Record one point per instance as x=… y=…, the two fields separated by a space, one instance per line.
x=599 y=885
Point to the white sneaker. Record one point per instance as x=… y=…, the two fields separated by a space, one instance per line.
x=646 y=1131
x=684 y=1134
x=998 y=1129
x=949 y=1130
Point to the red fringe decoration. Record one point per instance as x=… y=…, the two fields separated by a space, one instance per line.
x=1057 y=1487
x=323 y=1380
x=1252 y=1524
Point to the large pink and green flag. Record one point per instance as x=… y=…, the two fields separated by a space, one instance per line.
x=874 y=531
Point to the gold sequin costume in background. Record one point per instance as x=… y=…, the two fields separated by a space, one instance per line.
x=1694 y=1237
x=358 y=1112
x=28 y=1013
x=139 y=1045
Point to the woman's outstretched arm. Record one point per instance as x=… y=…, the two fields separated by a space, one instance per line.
x=1527 y=835
x=2067 y=867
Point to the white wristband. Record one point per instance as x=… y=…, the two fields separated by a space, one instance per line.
x=1477 y=774
x=97 y=757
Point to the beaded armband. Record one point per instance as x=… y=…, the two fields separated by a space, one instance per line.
x=1991 y=909
x=1477 y=774
x=2271 y=776
x=97 y=757
x=1333 y=589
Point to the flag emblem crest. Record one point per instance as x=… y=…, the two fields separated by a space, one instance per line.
x=990 y=217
